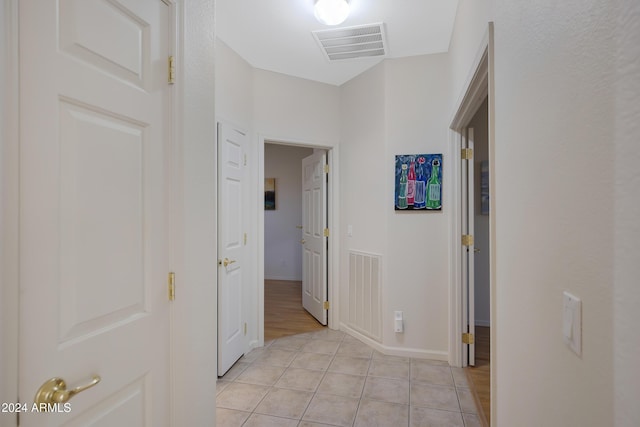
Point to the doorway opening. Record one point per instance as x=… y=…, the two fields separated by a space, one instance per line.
x=284 y=313
x=473 y=229
x=297 y=252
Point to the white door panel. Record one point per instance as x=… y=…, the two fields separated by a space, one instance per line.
x=314 y=242
x=468 y=266
x=94 y=244
x=231 y=193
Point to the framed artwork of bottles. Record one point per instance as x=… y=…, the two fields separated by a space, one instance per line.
x=418 y=182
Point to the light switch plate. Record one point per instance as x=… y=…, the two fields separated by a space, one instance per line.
x=572 y=322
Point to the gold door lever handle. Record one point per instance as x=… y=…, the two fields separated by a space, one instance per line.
x=226 y=261
x=303 y=241
x=55 y=390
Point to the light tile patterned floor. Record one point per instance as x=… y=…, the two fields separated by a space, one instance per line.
x=328 y=378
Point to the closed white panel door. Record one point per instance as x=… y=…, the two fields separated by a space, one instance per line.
x=95 y=124
x=231 y=192
x=314 y=239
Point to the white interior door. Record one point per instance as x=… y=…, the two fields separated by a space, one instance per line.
x=468 y=266
x=95 y=125
x=314 y=235
x=231 y=242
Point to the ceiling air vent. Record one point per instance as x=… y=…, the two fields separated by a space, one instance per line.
x=363 y=41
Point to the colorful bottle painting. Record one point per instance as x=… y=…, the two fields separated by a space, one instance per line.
x=411 y=184
x=402 y=190
x=433 y=187
x=421 y=185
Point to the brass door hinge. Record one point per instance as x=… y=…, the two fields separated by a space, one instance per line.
x=467 y=339
x=245 y=239
x=325 y=305
x=325 y=233
x=326 y=168
x=466 y=153
x=467 y=240
x=172 y=70
x=245 y=328
x=172 y=286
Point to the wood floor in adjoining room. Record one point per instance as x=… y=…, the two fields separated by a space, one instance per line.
x=481 y=373
x=283 y=312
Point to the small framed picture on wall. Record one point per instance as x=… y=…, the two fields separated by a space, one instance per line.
x=269 y=194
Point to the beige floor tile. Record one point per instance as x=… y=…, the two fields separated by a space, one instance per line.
x=221 y=385
x=382 y=356
x=467 y=402
x=427 y=373
x=290 y=343
x=332 y=410
x=300 y=379
x=342 y=385
x=262 y=375
x=381 y=414
x=234 y=371
x=230 y=417
x=471 y=420
x=389 y=369
x=387 y=389
x=312 y=424
x=349 y=338
x=243 y=397
x=328 y=335
x=321 y=346
x=276 y=357
x=434 y=396
x=253 y=355
x=427 y=417
x=285 y=403
x=353 y=349
x=460 y=377
x=259 y=420
x=350 y=365
x=430 y=362
x=314 y=361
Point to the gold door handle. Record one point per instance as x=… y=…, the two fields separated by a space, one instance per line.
x=303 y=241
x=299 y=227
x=476 y=250
x=55 y=390
x=226 y=261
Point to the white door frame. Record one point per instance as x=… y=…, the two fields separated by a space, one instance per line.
x=9 y=198
x=194 y=215
x=333 y=319
x=479 y=84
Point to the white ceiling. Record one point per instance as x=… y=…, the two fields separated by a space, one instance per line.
x=275 y=35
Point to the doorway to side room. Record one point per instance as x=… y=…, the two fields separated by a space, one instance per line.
x=286 y=242
x=473 y=228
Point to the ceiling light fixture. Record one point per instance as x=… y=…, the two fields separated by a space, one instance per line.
x=331 y=12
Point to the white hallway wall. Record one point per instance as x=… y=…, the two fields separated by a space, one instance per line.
x=282 y=249
x=566 y=115
x=561 y=108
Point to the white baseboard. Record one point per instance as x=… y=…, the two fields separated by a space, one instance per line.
x=397 y=351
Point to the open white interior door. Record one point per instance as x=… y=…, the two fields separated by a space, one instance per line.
x=468 y=267
x=314 y=235
x=95 y=138
x=231 y=243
